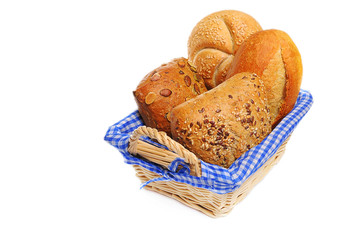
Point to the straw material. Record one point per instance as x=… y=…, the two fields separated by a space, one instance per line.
x=164 y=157
x=209 y=203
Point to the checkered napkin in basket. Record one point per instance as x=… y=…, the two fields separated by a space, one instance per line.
x=214 y=178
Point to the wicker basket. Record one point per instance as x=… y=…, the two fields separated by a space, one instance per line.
x=208 y=202
x=208 y=188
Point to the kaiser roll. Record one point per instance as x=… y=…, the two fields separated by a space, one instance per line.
x=214 y=41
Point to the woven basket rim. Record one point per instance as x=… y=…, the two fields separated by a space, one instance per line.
x=118 y=134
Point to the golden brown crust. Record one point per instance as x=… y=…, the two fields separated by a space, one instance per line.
x=215 y=39
x=294 y=69
x=164 y=88
x=220 y=125
x=273 y=56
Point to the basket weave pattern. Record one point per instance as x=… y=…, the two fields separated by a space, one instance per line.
x=165 y=166
x=208 y=202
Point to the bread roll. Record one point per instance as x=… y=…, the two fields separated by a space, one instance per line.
x=164 y=88
x=220 y=125
x=273 y=56
x=214 y=41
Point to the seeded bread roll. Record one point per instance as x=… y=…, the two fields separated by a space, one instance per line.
x=223 y=123
x=273 y=56
x=214 y=41
x=164 y=88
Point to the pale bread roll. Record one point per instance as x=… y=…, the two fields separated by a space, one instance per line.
x=214 y=41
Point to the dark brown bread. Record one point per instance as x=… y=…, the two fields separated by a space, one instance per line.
x=223 y=123
x=164 y=88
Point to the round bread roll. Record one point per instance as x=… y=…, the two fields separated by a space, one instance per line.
x=214 y=41
x=220 y=125
x=164 y=88
x=273 y=56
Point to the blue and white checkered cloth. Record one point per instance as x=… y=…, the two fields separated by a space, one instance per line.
x=214 y=178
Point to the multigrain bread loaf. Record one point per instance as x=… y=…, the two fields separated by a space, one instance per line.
x=164 y=88
x=273 y=56
x=223 y=123
x=214 y=41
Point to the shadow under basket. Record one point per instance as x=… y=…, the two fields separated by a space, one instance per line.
x=165 y=166
x=208 y=202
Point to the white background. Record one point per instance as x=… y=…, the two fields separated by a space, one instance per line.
x=67 y=72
